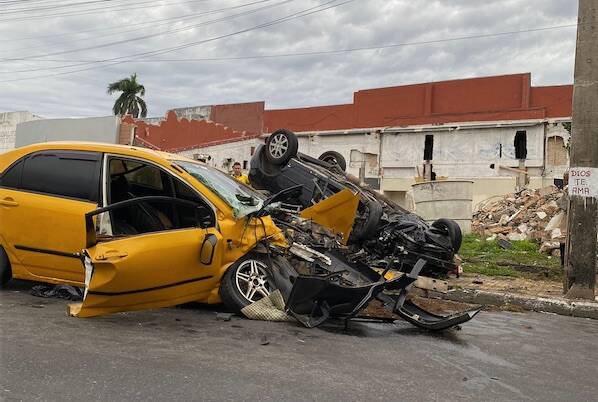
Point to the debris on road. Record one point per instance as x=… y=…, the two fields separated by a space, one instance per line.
x=535 y=215
x=269 y=308
x=58 y=291
x=224 y=316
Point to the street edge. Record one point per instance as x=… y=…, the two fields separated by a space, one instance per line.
x=577 y=308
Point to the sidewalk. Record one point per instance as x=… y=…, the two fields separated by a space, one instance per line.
x=506 y=292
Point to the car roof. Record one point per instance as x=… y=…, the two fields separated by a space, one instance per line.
x=8 y=157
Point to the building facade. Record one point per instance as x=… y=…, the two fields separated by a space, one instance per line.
x=500 y=132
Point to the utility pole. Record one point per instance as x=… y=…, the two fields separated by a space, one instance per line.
x=580 y=264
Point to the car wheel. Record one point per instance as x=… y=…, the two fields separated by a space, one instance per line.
x=370 y=227
x=452 y=229
x=246 y=281
x=5 y=271
x=334 y=158
x=281 y=146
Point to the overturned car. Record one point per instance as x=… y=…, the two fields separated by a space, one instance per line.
x=382 y=231
x=140 y=229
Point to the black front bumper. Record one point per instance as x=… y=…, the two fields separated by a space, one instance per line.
x=316 y=298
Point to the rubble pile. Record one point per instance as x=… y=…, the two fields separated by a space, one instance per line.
x=536 y=215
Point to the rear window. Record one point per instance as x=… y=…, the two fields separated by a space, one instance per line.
x=63 y=173
x=12 y=177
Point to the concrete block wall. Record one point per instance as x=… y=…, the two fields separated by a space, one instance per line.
x=8 y=127
x=96 y=129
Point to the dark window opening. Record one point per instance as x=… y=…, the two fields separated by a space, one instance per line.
x=520 y=145
x=63 y=173
x=244 y=165
x=429 y=147
x=252 y=151
x=500 y=150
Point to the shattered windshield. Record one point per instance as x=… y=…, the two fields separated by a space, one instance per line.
x=241 y=198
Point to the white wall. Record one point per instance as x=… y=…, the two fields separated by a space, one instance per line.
x=8 y=127
x=466 y=153
x=238 y=151
x=366 y=142
x=462 y=153
x=96 y=129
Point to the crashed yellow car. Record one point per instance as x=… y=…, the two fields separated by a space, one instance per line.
x=171 y=230
x=142 y=229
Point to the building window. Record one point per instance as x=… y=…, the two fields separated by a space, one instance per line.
x=252 y=151
x=521 y=145
x=429 y=147
x=244 y=165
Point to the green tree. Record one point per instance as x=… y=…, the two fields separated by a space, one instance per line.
x=128 y=102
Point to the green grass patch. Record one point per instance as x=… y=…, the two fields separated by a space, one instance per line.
x=522 y=260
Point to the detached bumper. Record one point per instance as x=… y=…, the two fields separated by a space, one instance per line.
x=315 y=299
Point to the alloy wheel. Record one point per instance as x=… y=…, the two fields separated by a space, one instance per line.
x=251 y=280
x=278 y=145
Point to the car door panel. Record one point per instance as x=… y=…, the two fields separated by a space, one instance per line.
x=45 y=233
x=149 y=271
x=42 y=200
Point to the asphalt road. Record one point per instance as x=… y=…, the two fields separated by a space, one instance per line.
x=188 y=354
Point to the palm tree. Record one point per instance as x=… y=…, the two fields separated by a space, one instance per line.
x=128 y=102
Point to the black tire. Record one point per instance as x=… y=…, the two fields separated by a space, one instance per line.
x=453 y=230
x=232 y=297
x=281 y=146
x=5 y=270
x=370 y=227
x=334 y=158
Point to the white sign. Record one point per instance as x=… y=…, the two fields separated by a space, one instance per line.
x=583 y=182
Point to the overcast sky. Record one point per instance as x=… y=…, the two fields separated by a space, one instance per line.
x=72 y=49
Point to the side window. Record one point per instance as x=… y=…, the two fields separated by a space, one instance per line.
x=190 y=216
x=12 y=177
x=63 y=173
x=131 y=179
x=148 y=177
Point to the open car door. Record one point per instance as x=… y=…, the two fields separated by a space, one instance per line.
x=149 y=270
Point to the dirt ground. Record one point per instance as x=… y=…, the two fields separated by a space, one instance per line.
x=523 y=286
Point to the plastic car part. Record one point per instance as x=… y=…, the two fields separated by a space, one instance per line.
x=316 y=298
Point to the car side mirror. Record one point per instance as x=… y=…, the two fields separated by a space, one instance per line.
x=208 y=247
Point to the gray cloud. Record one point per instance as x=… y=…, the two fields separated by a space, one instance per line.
x=286 y=81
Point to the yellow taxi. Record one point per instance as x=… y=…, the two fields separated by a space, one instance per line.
x=137 y=228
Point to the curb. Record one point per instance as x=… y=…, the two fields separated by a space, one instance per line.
x=578 y=308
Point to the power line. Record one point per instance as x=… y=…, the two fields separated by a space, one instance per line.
x=176 y=30
x=51 y=6
x=113 y=61
x=98 y=10
x=299 y=54
x=177 y=18
x=154 y=24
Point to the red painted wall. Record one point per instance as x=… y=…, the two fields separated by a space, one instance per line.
x=240 y=116
x=508 y=97
x=175 y=135
x=318 y=118
x=557 y=100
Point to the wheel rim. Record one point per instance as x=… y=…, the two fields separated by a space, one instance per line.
x=251 y=279
x=278 y=145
